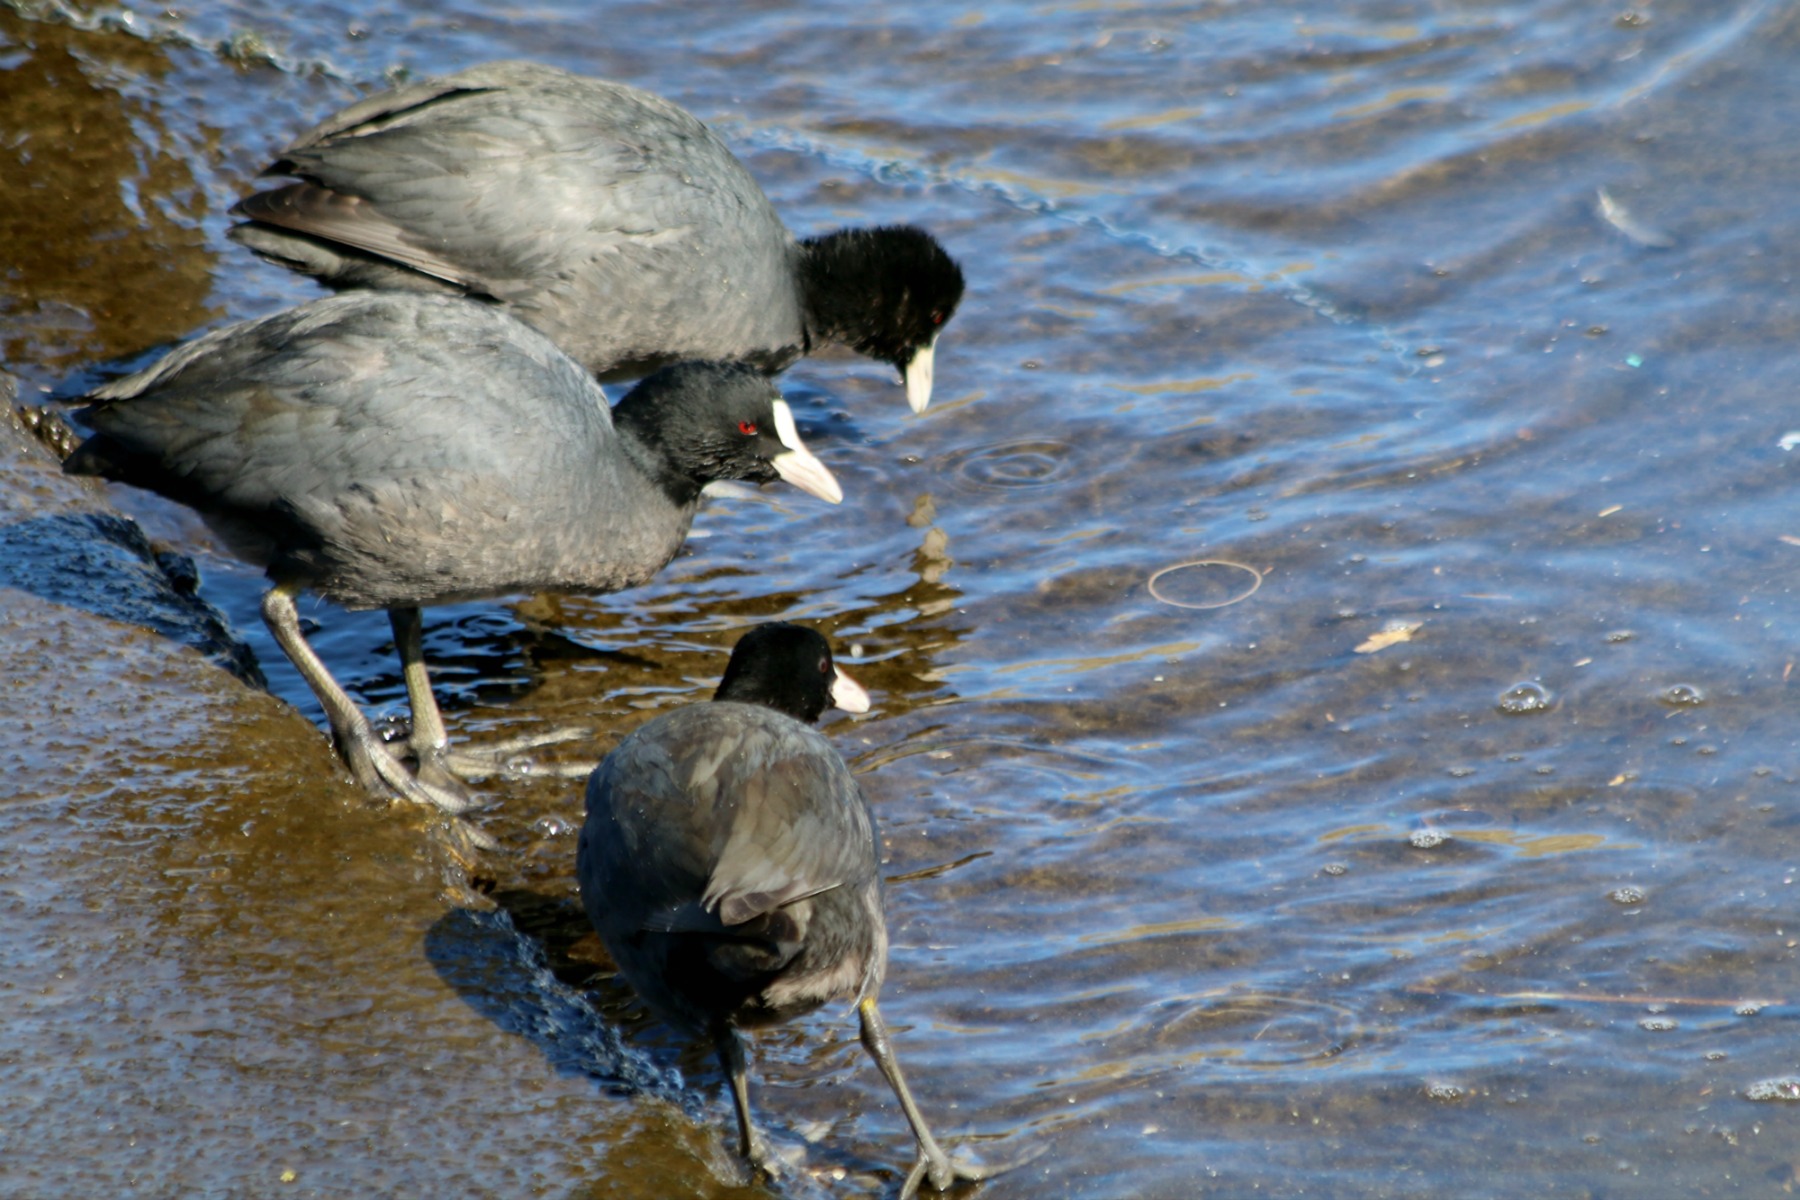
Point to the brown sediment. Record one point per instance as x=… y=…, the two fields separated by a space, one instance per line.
x=104 y=250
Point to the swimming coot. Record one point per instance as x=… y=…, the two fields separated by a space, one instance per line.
x=607 y=217
x=731 y=865
x=396 y=450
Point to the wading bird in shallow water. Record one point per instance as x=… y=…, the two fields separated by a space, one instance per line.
x=731 y=865
x=396 y=450
x=607 y=217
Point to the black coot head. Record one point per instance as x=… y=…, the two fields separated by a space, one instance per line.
x=789 y=668
x=715 y=421
x=885 y=292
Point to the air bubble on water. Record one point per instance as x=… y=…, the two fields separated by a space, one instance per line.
x=1335 y=869
x=1522 y=699
x=1749 y=1008
x=1426 y=839
x=1205 y=583
x=1786 y=1087
x=1027 y=463
x=552 y=827
x=1682 y=695
x=1626 y=895
x=1620 y=635
x=1716 y=1055
x=1659 y=1024
x=1444 y=1091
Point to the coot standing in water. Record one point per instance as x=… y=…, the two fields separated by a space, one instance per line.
x=397 y=450
x=610 y=219
x=731 y=865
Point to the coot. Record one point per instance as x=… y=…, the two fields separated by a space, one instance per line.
x=731 y=865
x=607 y=217
x=396 y=450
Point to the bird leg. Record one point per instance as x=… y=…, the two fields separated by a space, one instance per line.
x=363 y=751
x=934 y=1163
x=428 y=736
x=440 y=767
x=730 y=1046
x=429 y=743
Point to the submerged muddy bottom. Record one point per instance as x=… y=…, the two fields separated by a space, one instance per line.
x=1457 y=854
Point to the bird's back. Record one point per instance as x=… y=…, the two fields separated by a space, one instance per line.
x=729 y=861
x=391 y=449
x=604 y=215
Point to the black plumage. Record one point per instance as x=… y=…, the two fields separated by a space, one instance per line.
x=398 y=450
x=730 y=863
x=612 y=220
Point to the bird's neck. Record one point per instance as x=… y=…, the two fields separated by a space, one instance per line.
x=789 y=701
x=836 y=299
x=641 y=436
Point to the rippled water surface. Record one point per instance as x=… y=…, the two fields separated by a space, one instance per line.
x=1433 y=831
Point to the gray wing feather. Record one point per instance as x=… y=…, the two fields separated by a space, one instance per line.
x=718 y=813
x=354 y=222
x=352 y=387
x=519 y=168
x=601 y=212
x=346 y=422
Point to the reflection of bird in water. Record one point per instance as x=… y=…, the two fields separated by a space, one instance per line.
x=932 y=560
x=396 y=450
x=730 y=863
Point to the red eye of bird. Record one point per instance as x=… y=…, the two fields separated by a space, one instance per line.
x=747 y=428
x=937 y=318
